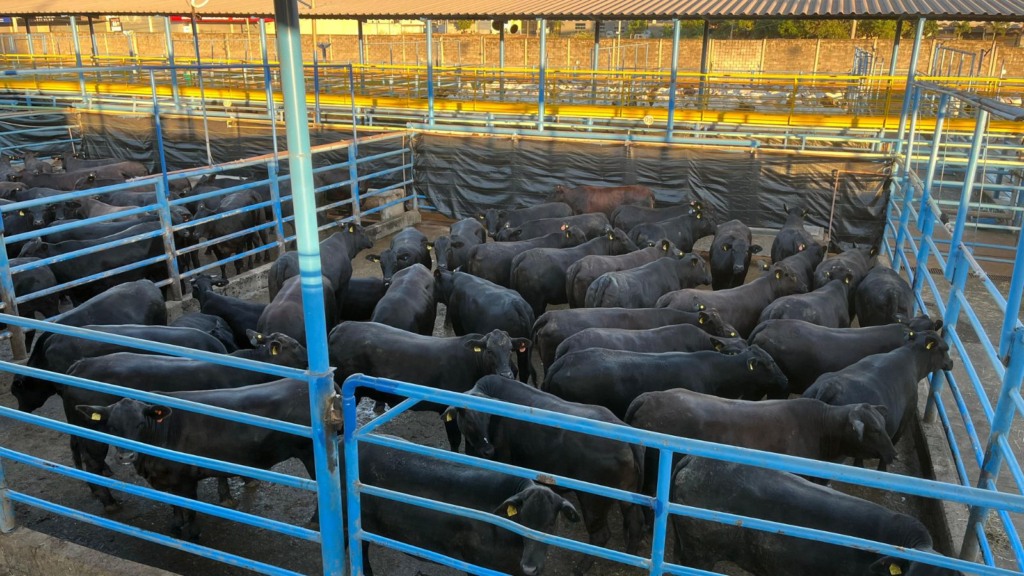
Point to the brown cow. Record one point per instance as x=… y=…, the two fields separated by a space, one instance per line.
x=604 y=199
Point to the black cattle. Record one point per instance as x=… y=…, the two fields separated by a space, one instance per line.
x=452 y=251
x=801 y=427
x=857 y=262
x=30 y=281
x=496 y=220
x=888 y=379
x=5 y=166
x=641 y=287
x=614 y=378
x=233 y=225
x=33 y=165
x=629 y=217
x=523 y=501
x=730 y=255
x=802 y=264
x=213 y=325
x=740 y=306
x=241 y=315
x=827 y=306
x=493 y=261
x=19 y=222
x=539 y=274
x=408 y=248
x=683 y=231
x=336 y=254
x=882 y=297
x=603 y=199
x=286 y=400
x=475 y=305
x=66 y=181
x=444 y=363
x=162 y=374
x=792 y=237
x=805 y=351
x=361 y=298
x=671 y=338
x=9 y=189
x=87 y=208
x=58 y=352
x=470 y=229
x=572 y=454
x=73 y=163
x=284 y=314
x=789 y=499
x=409 y=301
x=582 y=273
x=590 y=224
x=96 y=230
x=554 y=326
x=43 y=214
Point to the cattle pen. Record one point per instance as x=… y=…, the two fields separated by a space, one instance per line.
x=930 y=167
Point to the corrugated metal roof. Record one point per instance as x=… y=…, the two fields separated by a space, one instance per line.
x=554 y=9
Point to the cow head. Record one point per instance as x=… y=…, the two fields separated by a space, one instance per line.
x=765 y=373
x=559 y=193
x=730 y=346
x=710 y=321
x=494 y=220
x=441 y=246
x=277 y=348
x=129 y=419
x=508 y=234
x=894 y=565
x=695 y=269
x=31 y=393
x=864 y=434
x=392 y=260
x=921 y=323
x=35 y=248
x=785 y=281
x=475 y=427
x=494 y=352
x=619 y=242
x=647 y=234
x=444 y=280
x=931 y=352
x=356 y=239
x=536 y=507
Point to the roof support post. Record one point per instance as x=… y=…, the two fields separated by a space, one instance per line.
x=894 y=58
x=905 y=184
x=274 y=167
x=175 y=94
x=542 y=72
x=362 y=43
x=672 y=83
x=981 y=124
x=705 y=45
x=92 y=39
x=202 y=87
x=911 y=73
x=430 y=71
x=595 y=62
x=78 y=57
x=325 y=453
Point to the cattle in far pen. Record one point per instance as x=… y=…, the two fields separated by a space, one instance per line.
x=602 y=199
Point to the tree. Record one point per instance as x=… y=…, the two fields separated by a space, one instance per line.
x=464 y=25
x=885 y=29
x=999 y=29
x=636 y=27
x=963 y=29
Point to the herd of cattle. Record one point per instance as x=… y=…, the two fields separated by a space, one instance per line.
x=639 y=345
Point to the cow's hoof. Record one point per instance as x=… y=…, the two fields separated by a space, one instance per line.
x=112 y=508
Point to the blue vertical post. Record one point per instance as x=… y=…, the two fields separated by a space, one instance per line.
x=673 y=82
x=911 y=73
x=169 y=39
x=905 y=184
x=1015 y=294
x=661 y=501
x=289 y=48
x=1002 y=419
x=705 y=47
x=352 y=499
x=18 y=349
x=353 y=176
x=542 y=72
x=430 y=72
x=968 y=187
x=933 y=160
x=78 y=57
x=162 y=198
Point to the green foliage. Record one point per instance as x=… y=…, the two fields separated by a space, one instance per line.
x=636 y=27
x=963 y=29
x=885 y=29
x=463 y=25
x=732 y=29
x=688 y=29
x=999 y=29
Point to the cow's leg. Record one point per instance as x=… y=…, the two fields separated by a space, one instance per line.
x=224 y=493
x=523 y=365
x=632 y=525
x=595 y=517
x=367 y=569
x=451 y=428
x=92 y=457
x=190 y=529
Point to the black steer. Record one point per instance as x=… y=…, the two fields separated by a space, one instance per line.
x=642 y=286
x=730 y=255
x=827 y=306
x=409 y=247
x=628 y=217
x=582 y=273
x=496 y=220
x=452 y=251
x=30 y=281
x=683 y=231
x=241 y=315
x=672 y=338
x=409 y=301
x=361 y=298
x=591 y=225
x=336 y=254
x=493 y=261
x=882 y=297
x=792 y=237
x=213 y=325
x=855 y=262
x=802 y=264
x=284 y=314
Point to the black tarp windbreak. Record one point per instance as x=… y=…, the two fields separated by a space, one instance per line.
x=464 y=175
x=46 y=133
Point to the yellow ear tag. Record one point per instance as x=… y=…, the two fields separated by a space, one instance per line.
x=929 y=345
x=448 y=417
x=96 y=416
x=477 y=349
x=700 y=320
x=664 y=247
x=701 y=307
x=895 y=570
x=511 y=511
x=778 y=275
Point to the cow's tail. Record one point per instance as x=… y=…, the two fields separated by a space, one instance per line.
x=597 y=291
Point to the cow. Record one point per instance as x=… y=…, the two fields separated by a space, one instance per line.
x=87 y=208
x=444 y=363
x=285 y=314
x=554 y=326
x=208 y=436
x=629 y=217
x=73 y=163
x=361 y=298
x=408 y=248
x=641 y=287
x=787 y=498
x=857 y=262
x=28 y=282
x=92 y=231
x=671 y=338
x=603 y=199
x=741 y=306
x=614 y=378
x=213 y=325
x=805 y=351
x=827 y=306
x=245 y=217
x=470 y=229
x=19 y=222
x=495 y=220
x=802 y=264
x=493 y=261
x=43 y=214
x=409 y=301
x=582 y=273
x=66 y=181
x=8 y=190
x=591 y=225
x=888 y=379
x=801 y=427
x=683 y=231
x=241 y=315
x=792 y=237
x=162 y=374
x=573 y=454
x=882 y=297
x=336 y=254
x=539 y=274
x=730 y=255
x=476 y=305
x=452 y=250
x=33 y=165
x=523 y=501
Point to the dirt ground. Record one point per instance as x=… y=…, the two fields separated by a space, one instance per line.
x=277 y=502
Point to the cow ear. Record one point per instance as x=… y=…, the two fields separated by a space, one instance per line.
x=373 y=257
x=521 y=344
x=883 y=410
x=450 y=414
x=873 y=251
x=564 y=226
x=848 y=278
x=756 y=248
x=275 y=347
x=351 y=228
x=568 y=233
x=569 y=511
x=931 y=342
x=255 y=338
x=430 y=246
x=803 y=213
x=716 y=343
x=94 y=413
x=437 y=273
x=889 y=566
x=510 y=508
x=752 y=364
x=778 y=274
x=665 y=244
x=157 y=413
x=858 y=426
x=938 y=325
